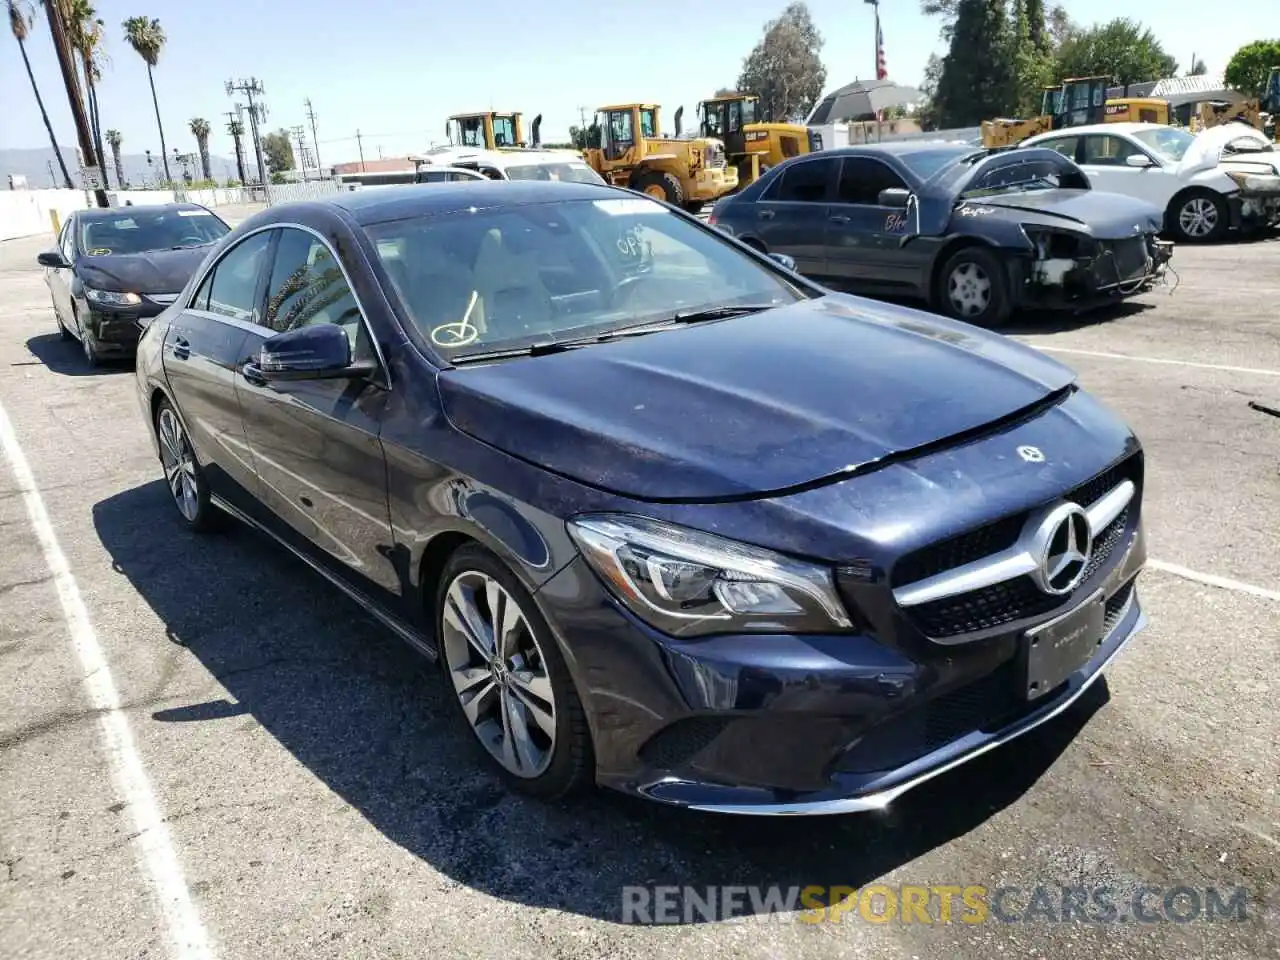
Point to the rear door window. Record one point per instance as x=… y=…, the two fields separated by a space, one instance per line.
x=806 y=182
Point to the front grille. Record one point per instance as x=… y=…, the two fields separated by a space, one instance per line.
x=1018 y=599
x=1130 y=257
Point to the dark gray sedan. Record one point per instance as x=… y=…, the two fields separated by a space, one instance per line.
x=973 y=233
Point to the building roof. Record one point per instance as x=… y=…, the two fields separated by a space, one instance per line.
x=387 y=165
x=1180 y=90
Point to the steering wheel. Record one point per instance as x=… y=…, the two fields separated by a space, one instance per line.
x=192 y=241
x=625 y=288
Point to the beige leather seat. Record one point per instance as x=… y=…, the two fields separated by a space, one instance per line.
x=516 y=301
x=439 y=288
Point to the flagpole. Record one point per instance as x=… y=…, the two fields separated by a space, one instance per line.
x=875 y=40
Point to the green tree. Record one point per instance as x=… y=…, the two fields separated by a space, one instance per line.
x=1249 y=67
x=977 y=79
x=785 y=68
x=200 y=130
x=113 y=141
x=86 y=34
x=278 y=152
x=1198 y=68
x=927 y=109
x=1059 y=27
x=1123 y=49
x=1033 y=64
x=21 y=20
x=147 y=39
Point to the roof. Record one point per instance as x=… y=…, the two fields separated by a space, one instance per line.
x=900 y=147
x=1179 y=90
x=389 y=165
x=388 y=203
x=1122 y=128
x=99 y=213
x=628 y=106
x=442 y=156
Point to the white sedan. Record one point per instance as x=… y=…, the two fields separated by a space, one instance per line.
x=1209 y=183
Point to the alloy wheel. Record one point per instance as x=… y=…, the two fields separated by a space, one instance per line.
x=1198 y=217
x=179 y=464
x=969 y=289
x=499 y=673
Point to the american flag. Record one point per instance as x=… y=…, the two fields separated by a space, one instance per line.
x=882 y=68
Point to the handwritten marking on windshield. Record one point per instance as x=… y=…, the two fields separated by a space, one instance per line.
x=458 y=333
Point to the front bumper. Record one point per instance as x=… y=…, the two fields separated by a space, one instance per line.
x=1254 y=210
x=1117 y=270
x=783 y=725
x=116 y=330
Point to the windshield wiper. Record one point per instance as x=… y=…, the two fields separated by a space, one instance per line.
x=560 y=346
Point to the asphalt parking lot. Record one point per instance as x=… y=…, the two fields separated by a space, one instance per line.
x=206 y=752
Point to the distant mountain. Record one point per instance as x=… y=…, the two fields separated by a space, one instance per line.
x=34 y=165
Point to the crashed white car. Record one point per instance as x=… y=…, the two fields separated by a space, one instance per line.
x=1225 y=178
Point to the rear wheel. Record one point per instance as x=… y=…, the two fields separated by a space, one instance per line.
x=1198 y=216
x=512 y=686
x=182 y=473
x=661 y=186
x=972 y=288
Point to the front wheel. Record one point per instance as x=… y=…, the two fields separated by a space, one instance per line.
x=512 y=686
x=1199 y=216
x=972 y=287
x=662 y=186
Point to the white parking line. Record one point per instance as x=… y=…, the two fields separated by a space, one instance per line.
x=1212 y=580
x=187 y=933
x=1257 y=371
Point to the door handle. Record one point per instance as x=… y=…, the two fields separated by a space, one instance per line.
x=251 y=372
x=838 y=218
x=765 y=214
x=181 y=348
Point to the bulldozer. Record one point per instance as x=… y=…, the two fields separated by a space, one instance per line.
x=750 y=145
x=1072 y=103
x=491 y=131
x=625 y=146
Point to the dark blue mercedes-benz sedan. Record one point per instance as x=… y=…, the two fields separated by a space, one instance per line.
x=672 y=518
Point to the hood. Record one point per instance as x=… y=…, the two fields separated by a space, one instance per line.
x=1205 y=151
x=742 y=408
x=1107 y=216
x=155 y=271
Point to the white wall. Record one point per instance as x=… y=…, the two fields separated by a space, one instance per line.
x=25 y=213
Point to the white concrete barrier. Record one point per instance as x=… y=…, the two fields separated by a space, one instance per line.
x=26 y=213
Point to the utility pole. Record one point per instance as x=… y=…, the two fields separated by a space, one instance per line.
x=257 y=111
x=311 y=115
x=360 y=147
x=235 y=127
x=299 y=136
x=52 y=176
x=62 y=46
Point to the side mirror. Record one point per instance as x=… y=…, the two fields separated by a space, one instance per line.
x=1140 y=160
x=894 y=197
x=319 y=352
x=785 y=261
x=52 y=258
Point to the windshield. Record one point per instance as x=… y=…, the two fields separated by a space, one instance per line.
x=748 y=112
x=1167 y=142
x=504 y=278
x=138 y=229
x=1023 y=175
x=925 y=163
x=570 y=171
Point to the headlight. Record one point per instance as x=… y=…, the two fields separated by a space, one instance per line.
x=1255 y=182
x=1053 y=244
x=111 y=297
x=689 y=583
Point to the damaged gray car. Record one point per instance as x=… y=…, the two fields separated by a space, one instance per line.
x=977 y=234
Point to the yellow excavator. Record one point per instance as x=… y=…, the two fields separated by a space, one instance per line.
x=1072 y=103
x=491 y=131
x=626 y=147
x=750 y=145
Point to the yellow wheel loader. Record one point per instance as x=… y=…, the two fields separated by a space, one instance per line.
x=751 y=145
x=625 y=146
x=490 y=131
x=1075 y=102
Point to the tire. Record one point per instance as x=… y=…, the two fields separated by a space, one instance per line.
x=87 y=346
x=63 y=333
x=560 y=760
x=982 y=297
x=184 y=477
x=661 y=186
x=1198 y=216
x=695 y=206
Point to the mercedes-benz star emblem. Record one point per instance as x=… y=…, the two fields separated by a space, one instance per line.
x=1066 y=544
x=1031 y=454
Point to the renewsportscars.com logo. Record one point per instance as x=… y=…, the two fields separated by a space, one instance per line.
x=935 y=904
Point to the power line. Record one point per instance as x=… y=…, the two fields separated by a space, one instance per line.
x=257 y=111
x=311 y=115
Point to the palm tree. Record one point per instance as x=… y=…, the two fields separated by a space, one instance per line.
x=85 y=33
x=114 y=140
x=21 y=20
x=147 y=39
x=200 y=129
x=236 y=129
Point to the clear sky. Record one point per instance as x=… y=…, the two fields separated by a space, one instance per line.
x=394 y=69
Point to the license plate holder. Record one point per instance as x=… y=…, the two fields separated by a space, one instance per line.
x=1055 y=650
